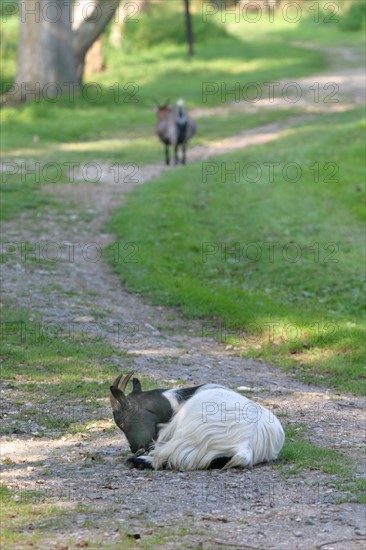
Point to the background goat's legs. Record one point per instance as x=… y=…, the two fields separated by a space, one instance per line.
x=167 y=159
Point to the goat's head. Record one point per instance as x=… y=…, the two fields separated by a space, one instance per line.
x=139 y=413
x=162 y=110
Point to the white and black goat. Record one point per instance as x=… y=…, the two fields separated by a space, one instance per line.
x=197 y=428
x=174 y=127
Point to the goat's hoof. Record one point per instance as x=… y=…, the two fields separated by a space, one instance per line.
x=139 y=463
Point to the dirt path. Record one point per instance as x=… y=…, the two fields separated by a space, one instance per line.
x=234 y=509
x=338 y=89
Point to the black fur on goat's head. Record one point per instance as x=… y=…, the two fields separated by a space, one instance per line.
x=139 y=413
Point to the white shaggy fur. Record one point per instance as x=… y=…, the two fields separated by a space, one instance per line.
x=216 y=422
x=172 y=396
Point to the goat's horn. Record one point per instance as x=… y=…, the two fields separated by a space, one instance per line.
x=117 y=381
x=122 y=386
x=155 y=101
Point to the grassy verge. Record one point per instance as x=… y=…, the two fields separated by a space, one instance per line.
x=299 y=455
x=302 y=455
x=17 y=197
x=51 y=369
x=59 y=374
x=276 y=261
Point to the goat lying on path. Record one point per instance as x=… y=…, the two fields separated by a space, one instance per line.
x=174 y=127
x=197 y=428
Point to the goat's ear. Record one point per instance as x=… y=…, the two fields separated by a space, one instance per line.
x=136 y=385
x=118 y=399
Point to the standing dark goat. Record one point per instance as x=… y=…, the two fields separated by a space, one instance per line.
x=197 y=428
x=174 y=127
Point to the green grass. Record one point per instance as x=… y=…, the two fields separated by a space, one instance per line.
x=299 y=455
x=60 y=377
x=21 y=188
x=48 y=518
x=356 y=489
x=19 y=515
x=140 y=150
x=56 y=361
x=38 y=517
x=321 y=292
x=18 y=196
x=323 y=23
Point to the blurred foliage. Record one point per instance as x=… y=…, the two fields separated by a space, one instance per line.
x=162 y=26
x=354 y=19
x=8 y=8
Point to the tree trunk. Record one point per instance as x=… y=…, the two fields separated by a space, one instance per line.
x=90 y=20
x=50 y=56
x=189 y=30
x=45 y=55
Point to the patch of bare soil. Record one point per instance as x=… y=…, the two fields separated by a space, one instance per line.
x=256 y=508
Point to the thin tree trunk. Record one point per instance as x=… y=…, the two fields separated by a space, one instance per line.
x=189 y=30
